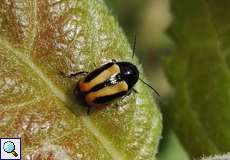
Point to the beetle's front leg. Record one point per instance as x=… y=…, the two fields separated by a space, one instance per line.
x=73 y=74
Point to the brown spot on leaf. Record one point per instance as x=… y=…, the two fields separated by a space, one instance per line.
x=10 y=25
x=48 y=40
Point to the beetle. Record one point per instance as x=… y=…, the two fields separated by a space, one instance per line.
x=108 y=82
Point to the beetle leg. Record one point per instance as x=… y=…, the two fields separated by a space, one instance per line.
x=120 y=102
x=114 y=61
x=73 y=74
x=78 y=73
x=128 y=94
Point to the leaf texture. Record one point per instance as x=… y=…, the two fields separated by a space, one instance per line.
x=217 y=157
x=40 y=38
x=199 y=71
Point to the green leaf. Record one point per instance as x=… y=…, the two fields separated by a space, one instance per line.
x=170 y=148
x=199 y=72
x=40 y=38
x=217 y=157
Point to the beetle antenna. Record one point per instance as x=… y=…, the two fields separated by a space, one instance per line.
x=150 y=87
x=134 y=45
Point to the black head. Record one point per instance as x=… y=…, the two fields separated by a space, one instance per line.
x=129 y=73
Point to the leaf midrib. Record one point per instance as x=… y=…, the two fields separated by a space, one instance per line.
x=114 y=153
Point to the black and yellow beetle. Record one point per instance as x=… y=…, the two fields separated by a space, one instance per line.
x=108 y=82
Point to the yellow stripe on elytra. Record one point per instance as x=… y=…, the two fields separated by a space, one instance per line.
x=110 y=90
x=103 y=76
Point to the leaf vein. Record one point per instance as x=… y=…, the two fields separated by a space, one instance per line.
x=217 y=36
x=115 y=154
x=34 y=28
x=195 y=115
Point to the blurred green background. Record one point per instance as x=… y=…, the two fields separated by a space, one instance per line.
x=149 y=20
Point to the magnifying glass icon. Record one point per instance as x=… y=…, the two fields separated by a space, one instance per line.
x=9 y=147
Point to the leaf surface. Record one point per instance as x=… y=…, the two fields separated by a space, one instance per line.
x=217 y=157
x=40 y=38
x=199 y=72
